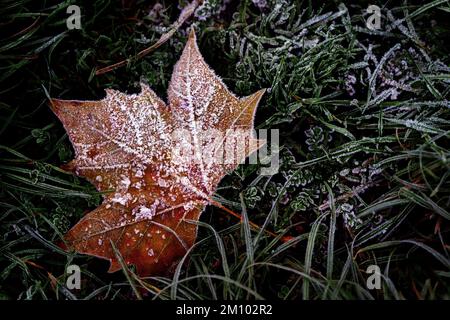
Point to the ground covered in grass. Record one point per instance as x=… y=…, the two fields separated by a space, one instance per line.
x=363 y=117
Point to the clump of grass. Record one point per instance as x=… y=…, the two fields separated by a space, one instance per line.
x=364 y=131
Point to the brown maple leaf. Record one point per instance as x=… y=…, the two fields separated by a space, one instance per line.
x=157 y=163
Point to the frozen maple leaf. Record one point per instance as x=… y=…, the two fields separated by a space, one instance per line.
x=157 y=163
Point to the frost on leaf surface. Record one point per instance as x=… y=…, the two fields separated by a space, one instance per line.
x=157 y=163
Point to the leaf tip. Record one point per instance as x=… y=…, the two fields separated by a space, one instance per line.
x=258 y=94
x=192 y=36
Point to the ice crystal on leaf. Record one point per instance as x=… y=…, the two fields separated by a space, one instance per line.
x=125 y=144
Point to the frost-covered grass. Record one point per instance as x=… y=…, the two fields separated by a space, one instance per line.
x=364 y=131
